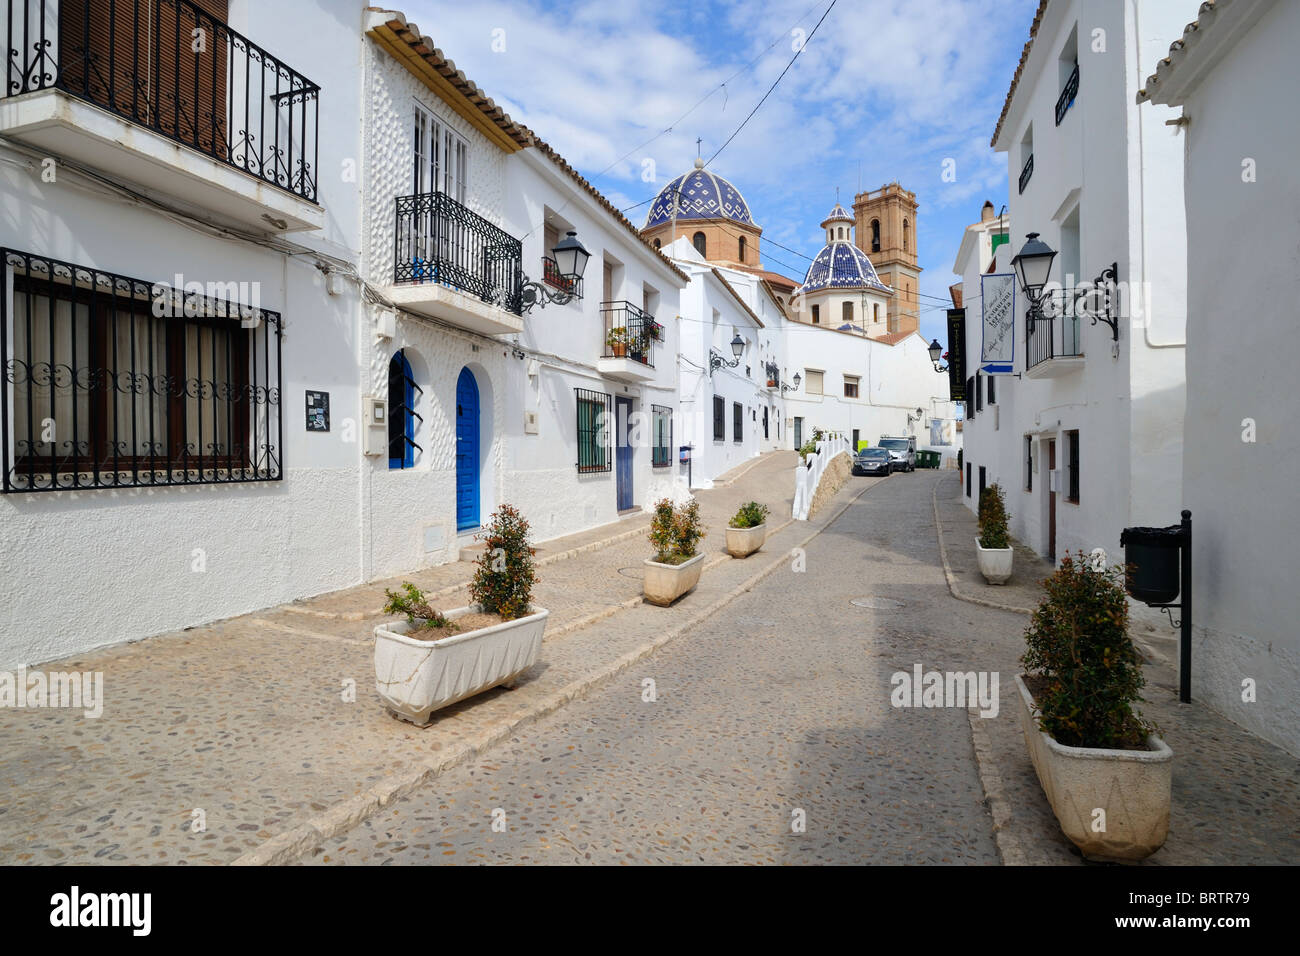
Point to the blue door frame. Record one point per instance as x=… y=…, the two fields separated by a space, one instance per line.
x=467 y=451
x=623 y=452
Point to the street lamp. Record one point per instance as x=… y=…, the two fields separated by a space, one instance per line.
x=571 y=260
x=1033 y=264
x=796 y=379
x=936 y=350
x=717 y=361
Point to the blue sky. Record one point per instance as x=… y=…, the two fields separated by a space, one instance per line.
x=885 y=90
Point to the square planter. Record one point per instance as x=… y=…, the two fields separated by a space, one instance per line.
x=415 y=678
x=665 y=583
x=994 y=563
x=742 y=542
x=1132 y=786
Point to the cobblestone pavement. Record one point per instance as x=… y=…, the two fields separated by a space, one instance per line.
x=247 y=721
x=1235 y=798
x=778 y=704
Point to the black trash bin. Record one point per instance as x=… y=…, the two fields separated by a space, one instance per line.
x=1153 y=555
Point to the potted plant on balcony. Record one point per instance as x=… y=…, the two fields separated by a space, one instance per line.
x=747 y=529
x=993 y=551
x=1105 y=771
x=656 y=332
x=434 y=659
x=675 y=533
x=617 y=340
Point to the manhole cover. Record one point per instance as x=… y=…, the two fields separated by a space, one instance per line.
x=632 y=572
x=879 y=603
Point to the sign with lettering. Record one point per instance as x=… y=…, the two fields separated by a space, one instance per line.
x=998 y=299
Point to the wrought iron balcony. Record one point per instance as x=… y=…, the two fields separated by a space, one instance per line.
x=773 y=374
x=1027 y=172
x=629 y=332
x=439 y=240
x=175 y=69
x=1056 y=335
x=1068 y=94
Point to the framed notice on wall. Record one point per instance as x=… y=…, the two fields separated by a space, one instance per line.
x=998 y=298
x=318 y=411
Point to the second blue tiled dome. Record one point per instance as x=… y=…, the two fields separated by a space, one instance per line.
x=841 y=265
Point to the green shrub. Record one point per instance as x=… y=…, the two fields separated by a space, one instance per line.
x=675 y=532
x=750 y=515
x=993 y=518
x=808 y=448
x=1084 y=671
x=417 y=609
x=504 y=573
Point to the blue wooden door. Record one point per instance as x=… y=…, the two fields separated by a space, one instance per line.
x=467 y=474
x=623 y=452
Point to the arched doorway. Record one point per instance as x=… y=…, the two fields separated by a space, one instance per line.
x=467 y=451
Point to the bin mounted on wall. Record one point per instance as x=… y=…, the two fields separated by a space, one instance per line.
x=1160 y=560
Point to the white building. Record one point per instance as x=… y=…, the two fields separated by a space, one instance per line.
x=1088 y=417
x=1233 y=74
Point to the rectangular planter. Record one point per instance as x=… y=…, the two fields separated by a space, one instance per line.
x=994 y=563
x=1132 y=787
x=742 y=542
x=415 y=678
x=665 y=583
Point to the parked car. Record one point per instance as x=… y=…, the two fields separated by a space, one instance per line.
x=873 y=461
x=902 y=450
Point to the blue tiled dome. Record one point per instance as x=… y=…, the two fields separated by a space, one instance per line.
x=838 y=214
x=704 y=195
x=841 y=265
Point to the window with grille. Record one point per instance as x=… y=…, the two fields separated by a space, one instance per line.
x=402 y=416
x=851 y=386
x=1072 y=446
x=992 y=382
x=979 y=393
x=1029 y=463
x=662 y=424
x=737 y=422
x=719 y=418
x=595 y=413
x=114 y=382
x=970 y=396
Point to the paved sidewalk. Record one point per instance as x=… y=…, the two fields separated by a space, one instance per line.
x=1236 y=797
x=247 y=720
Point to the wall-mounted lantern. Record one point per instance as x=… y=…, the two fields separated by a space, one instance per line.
x=936 y=352
x=571 y=259
x=716 y=360
x=796 y=378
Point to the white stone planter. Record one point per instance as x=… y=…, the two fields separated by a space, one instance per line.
x=994 y=563
x=415 y=678
x=1131 y=786
x=665 y=583
x=742 y=542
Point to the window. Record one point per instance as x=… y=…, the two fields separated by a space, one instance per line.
x=906 y=231
x=851 y=386
x=982 y=484
x=741 y=248
x=813 y=382
x=967 y=479
x=846 y=312
x=698 y=241
x=875 y=312
x=1029 y=463
x=737 y=422
x=1072 y=449
x=656 y=243
x=991 y=383
x=594 y=416
x=970 y=392
x=817 y=315
x=875 y=235
x=979 y=392
x=401 y=412
x=441 y=157
x=662 y=424
x=719 y=418
x=118 y=382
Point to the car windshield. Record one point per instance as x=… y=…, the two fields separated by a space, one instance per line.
x=873 y=453
x=895 y=444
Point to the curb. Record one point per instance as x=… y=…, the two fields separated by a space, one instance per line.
x=1007 y=843
x=947 y=568
x=293 y=843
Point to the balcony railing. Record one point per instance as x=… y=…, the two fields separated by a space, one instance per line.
x=629 y=332
x=1027 y=172
x=552 y=276
x=773 y=375
x=1059 y=336
x=440 y=240
x=1067 y=95
x=169 y=66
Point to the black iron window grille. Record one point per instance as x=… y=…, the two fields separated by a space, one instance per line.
x=773 y=374
x=114 y=382
x=1072 y=447
x=662 y=422
x=1026 y=172
x=970 y=398
x=1029 y=463
x=629 y=332
x=979 y=393
x=174 y=67
x=1068 y=95
x=440 y=240
x=737 y=422
x=719 y=418
x=595 y=416
x=402 y=416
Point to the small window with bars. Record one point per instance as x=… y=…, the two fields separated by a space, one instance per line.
x=737 y=422
x=719 y=418
x=595 y=415
x=662 y=423
x=1072 y=446
x=1029 y=463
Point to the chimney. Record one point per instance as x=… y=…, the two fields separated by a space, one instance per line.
x=987 y=212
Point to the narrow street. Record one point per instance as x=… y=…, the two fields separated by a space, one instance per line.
x=779 y=703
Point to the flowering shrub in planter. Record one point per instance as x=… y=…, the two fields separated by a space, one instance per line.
x=675 y=534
